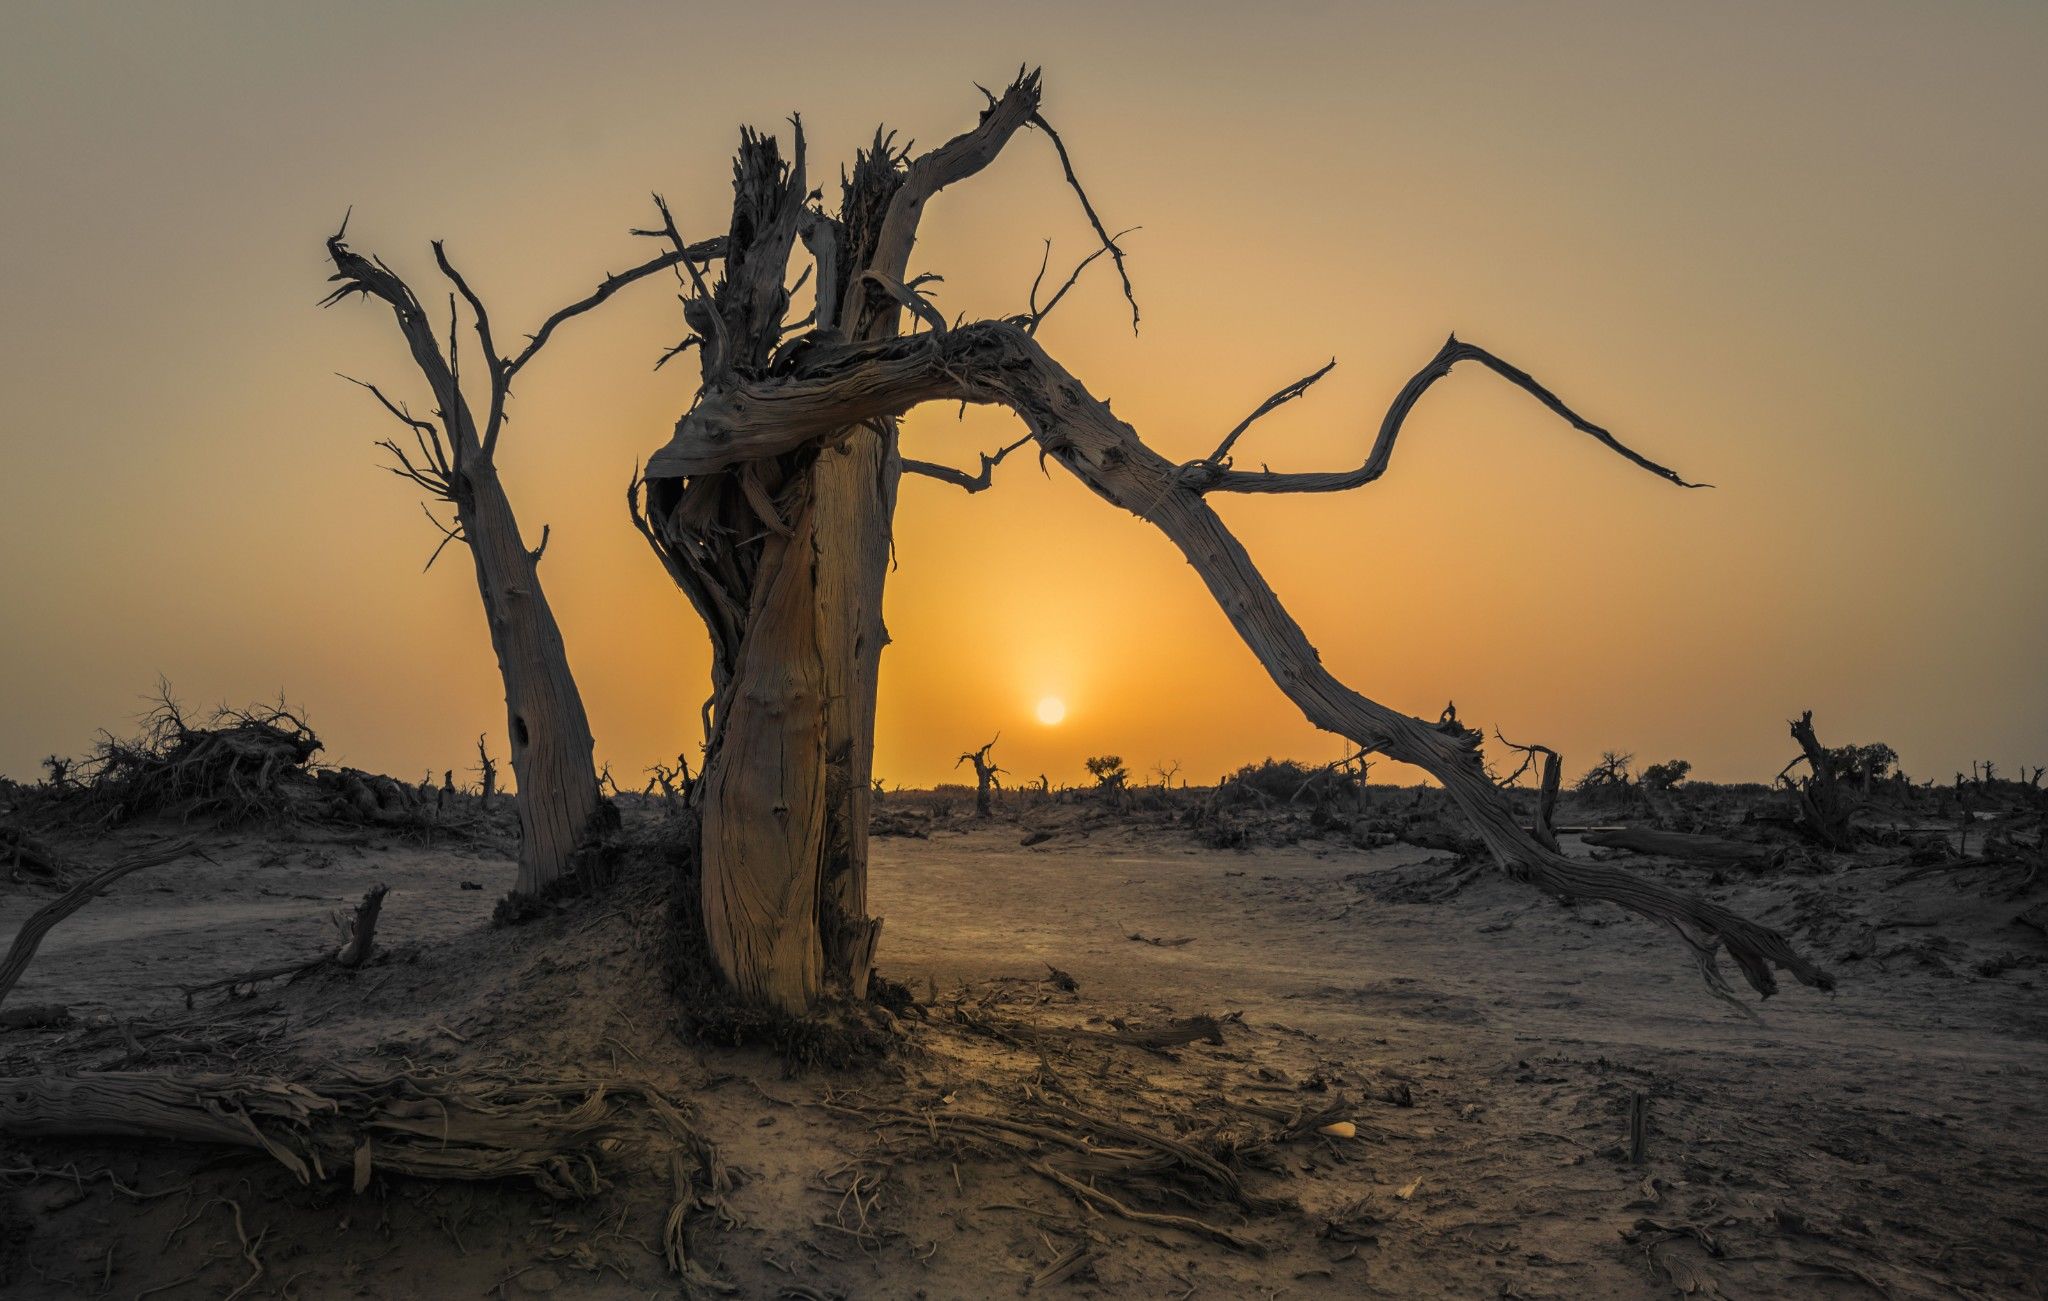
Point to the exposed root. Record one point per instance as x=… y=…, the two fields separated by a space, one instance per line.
x=554 y=1134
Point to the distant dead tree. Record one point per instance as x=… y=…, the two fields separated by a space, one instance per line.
x=486 y=771
x=1362 y=767
x=1166 y=772
x=674 y=783
x=1610 y=774
x=986 y=777
x=453 y=458
x=1824 y=808
x=772 y=508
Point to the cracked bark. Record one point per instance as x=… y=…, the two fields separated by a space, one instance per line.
x=454 y=459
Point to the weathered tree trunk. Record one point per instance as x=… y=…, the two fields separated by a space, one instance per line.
x=771 y=508
x=763 y=793
x=560 y=805
x=552 y=751
x=853 y=494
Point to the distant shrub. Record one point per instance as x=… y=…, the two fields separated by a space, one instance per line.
x=1108 y=771
x=1283 y=781
x=1664 y=776
x=1862 y=764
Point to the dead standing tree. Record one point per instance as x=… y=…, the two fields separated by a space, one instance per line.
x=985 y=777
x=771 y=507
x=486 y=774
x=454 y=459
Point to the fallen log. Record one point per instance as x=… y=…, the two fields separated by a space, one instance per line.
x=1678 y=844
x=549 y=1133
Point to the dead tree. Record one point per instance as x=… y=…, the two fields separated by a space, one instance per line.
x=674 y=783
x=986 y=776
x=771 y=507
x=1823 y=806
x=453 y=457
x=486 y=773
x=1610 y=774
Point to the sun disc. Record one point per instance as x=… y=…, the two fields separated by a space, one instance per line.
x=1051 y=710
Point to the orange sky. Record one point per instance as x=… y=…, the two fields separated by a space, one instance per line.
x=1794 y=250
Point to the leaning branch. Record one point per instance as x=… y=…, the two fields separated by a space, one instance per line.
x=1212 y=475
x=695 y=255
x=30 y=937
x=996 y=362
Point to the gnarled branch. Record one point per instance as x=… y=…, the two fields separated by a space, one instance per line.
x=960 y=478
x=1212 y=475
x=998 y=363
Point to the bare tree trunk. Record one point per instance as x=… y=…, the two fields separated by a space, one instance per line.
x=762 y=793
x=454 y=461
x=853 y=494
x=552 y=751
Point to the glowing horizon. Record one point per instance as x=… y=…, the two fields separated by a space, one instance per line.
x=1799 y=266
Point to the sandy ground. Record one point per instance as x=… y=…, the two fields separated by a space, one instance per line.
x=1883 y=1140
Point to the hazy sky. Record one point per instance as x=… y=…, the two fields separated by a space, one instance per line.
x=1795 y=250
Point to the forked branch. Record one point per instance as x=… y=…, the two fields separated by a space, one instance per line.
x=960 y=478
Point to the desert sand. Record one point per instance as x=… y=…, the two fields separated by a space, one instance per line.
x=1487 y=1047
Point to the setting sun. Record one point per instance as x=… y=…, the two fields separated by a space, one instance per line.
x=1051 y=710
